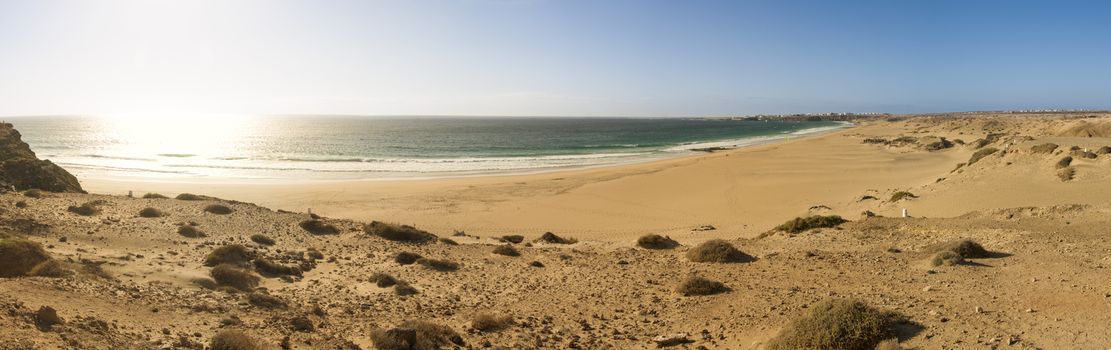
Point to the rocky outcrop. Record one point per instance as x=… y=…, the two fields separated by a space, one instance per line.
x=20 y=169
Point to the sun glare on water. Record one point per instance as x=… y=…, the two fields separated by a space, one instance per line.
x=151 y=135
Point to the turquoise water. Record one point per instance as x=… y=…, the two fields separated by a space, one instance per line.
x=351 y=147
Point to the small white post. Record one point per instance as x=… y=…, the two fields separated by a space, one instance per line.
x=904 y=212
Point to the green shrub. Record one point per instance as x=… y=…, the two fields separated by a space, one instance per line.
x=506 y=250
x=695 y=285
x=654 y=241
x=718 y=251
x=797 y=225
x=399 y=233
x=19 y=256
x=838 y=324
x=234 y=276
x=981 y=154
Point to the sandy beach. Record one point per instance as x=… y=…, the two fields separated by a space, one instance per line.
x=1003 y=248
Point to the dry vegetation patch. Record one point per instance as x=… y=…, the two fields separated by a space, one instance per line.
x=406 y=258
x=513 y=238
x=262 y=239
x=981 y=154
x=190 y=197
x=1045 y=148
x=234 y=340
x=438 y=264
x=1064 y=162
x=549 y=237
x=800 y=224
x=506 y=250
x=50 y=268
x=695 y=285
x=416 y=335
x=234 y=276
x=19 y=256
x=190 y=231
x=154 y=196
x=1066 y=174
x=218 y=209
x=838 y=324
x=265 y=301
x=489 y=321
x=235 y=254
x=383 y=280
x=718 y=251
x=900 y=195
x=87 y=209
x=149 y=212
x=654 y=241
x=399 y=233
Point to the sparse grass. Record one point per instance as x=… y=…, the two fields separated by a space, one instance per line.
x=149 y=212
x=695 y=285
x=900 y=195
x=488 y=321
x=513 y=238
x=87 y=209
x=154 y=196
x=1045 y=148
x=415 y=335
x=265 y=301
x=718 y=251
x=406 y=258
x=438 y=264
x=190 y=231
x=262 y=239
x=981 y=154
x=190 y=197
x=234 y=340
x=19 y=256
x=800 y=224
x=654 y=241
x=1066 y=174
x=269 y=268
x=318 y=227
x=1064 y=162
x=549 y=237
x=235 y=254
x=34 y=193
x=218 y=209
x=838 y=324
x=234 y=276
x=399 y=233
x=50 y=268
x=383 y=280
x=947 y=258
x=506 y=250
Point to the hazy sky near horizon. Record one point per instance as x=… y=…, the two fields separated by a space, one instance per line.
x=537 y=57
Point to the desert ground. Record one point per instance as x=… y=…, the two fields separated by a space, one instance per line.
x=245 y=266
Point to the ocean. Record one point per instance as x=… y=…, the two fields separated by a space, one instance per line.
x=325 y=148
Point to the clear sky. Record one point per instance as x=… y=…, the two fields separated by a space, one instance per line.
x=558 y=57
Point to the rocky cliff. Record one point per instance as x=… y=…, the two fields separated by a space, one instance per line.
x=21 y=169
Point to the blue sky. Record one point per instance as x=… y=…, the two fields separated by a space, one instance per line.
x=535 y=57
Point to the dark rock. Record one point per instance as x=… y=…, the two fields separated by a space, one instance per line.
x=22 y=170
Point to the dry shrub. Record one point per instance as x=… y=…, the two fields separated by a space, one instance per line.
x=695 y=285
x=438 y=264
x=654 y=241
x=513 y=238
x=234 y=340
x=1066 y=174
x=416 y=335
x=488 y=321
x=718 y=251
x=206 y=283
x=1084 y=154
x=302 y=324
x=383 y=280
x=506 y=250
x=549 y=237
x=191 y=197
x=798 y=225
x=50 y=268
x=406 y=258
x=154 y=196
x=1064 y=162
x=947 y=258
x=968 y=249
x=46 y=317
x=19 y=256
x=190 y=231
x=151 y=213
x=900 y=195
x=234 y=276
x=261 y=239
x=1045 y=148
x=34 y=193
x=218 y=209
x=318 y=227
x=87 y=209
x=1104 y=150
x=838 y=324
x=235 y=254
x=265 y=301
x=399 y=233
x=403 y=288
x=447 y=241
x=890 y=344
x=268 y=268
x=96 y=268
x=981 y=154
